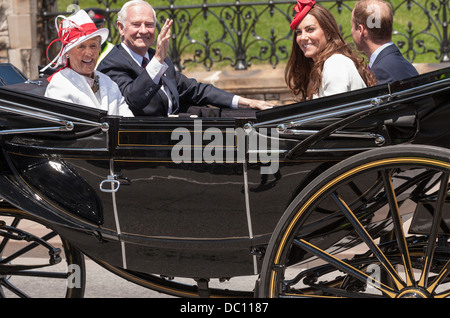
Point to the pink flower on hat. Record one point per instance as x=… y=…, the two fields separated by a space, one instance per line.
x=302 y=8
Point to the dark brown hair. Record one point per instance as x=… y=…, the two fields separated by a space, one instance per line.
x=303 y=76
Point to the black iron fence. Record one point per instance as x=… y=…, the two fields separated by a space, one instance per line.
x=239 y=34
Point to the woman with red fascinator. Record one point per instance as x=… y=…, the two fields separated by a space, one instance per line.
x=78 y=81
x=321 y=63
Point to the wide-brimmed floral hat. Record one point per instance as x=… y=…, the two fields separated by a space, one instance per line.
x=72 y=31
x=302 y=8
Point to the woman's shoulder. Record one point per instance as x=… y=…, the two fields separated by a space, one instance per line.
x=338 y=59
x=60 y=77
x=339 y=64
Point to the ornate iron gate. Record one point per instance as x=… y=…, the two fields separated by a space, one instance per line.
x=240 y=33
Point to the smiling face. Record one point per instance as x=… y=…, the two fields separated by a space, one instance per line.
x=138 y=29
x=310 y=37
x=83 y=57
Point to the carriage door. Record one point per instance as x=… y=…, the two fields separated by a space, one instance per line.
x=167 y=182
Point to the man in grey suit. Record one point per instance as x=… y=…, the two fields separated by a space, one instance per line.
x=147 y=77
x=372 y=25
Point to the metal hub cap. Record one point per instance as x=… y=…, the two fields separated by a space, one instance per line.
x=414 y=293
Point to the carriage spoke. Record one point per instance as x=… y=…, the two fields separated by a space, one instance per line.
x=437 y=218
x=7 y=285
x=60 y=275
x=368 y=240
x=439 y=279
x=398 y=227
x=37 y=259
x=388 y=237
x=346 y=268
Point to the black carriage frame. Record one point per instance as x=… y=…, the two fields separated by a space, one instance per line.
x=388 y=102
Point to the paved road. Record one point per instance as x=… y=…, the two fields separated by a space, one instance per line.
x=103 y=284
x=100 y=283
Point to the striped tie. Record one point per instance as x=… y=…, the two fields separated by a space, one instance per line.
x=144 y=62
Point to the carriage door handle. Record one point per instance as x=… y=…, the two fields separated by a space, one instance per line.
x=115 y=184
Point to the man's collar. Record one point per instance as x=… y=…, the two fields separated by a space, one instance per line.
x=138 y=58
x=374 y=55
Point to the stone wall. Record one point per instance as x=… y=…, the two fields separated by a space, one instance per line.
x=18 y=35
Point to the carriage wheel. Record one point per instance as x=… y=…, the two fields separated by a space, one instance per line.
x=374 y=225
x=35 y=261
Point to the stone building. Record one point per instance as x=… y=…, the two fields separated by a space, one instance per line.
x=19 y=29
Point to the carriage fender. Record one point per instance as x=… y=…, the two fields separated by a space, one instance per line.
x=32 y=204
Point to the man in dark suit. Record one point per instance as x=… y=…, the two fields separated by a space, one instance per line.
x=372 y=25
x=156 y=88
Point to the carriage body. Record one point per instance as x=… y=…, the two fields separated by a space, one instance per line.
x=196 y=196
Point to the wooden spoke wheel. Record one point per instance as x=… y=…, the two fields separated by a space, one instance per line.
x=374 y=225
x=35 y=261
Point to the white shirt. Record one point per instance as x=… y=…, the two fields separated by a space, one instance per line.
x=70 y=86
x=339 y=75
x=154 y=69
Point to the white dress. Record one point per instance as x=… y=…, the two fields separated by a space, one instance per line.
x=67 y=85
x=339 y=75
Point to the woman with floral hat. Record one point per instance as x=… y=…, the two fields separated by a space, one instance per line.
x=321 y=63
x=78 y=81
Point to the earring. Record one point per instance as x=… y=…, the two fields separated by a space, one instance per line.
x=67 y=56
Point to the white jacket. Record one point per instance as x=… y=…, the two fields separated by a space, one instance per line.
x=339 y=75
x=67 y=85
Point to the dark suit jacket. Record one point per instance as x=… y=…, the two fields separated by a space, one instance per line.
x=391 y=66
x=144 y=97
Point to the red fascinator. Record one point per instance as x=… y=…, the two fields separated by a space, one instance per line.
x=302 y=8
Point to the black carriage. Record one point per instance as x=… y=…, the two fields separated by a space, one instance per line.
x=340 y=196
